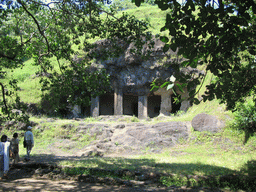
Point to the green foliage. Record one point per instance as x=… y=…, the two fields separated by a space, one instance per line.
x=219 y=34
x=202 y=137
x=75 y=86
x=176 y=180
x=14 y=108
x=86 y=139
x=134 y=119
x=75 y=171
x=245 y=118
x=249 y=168
x=43 y=32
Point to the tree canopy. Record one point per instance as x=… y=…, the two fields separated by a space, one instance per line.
x=220 y=34
x=50 y=30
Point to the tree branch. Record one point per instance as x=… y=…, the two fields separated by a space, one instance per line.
x=2 y=55
x=38 y=26
x=5 y=105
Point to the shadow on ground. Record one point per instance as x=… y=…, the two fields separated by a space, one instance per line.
x=143 y=165
x=142 y=172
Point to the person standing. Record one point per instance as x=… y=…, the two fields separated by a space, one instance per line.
x=29 y=140
x=4 y=156
x=15 y=148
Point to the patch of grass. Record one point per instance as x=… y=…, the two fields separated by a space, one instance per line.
x=86 y=140
x=194 y=165
x=134 y=119
x=231 y=182
x=30 y=90
x=76 y=171
x=177 y=180
x=209 y=158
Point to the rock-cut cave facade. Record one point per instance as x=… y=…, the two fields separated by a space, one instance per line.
x=131 y=79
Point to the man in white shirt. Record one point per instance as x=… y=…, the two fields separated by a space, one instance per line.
x=29 y=139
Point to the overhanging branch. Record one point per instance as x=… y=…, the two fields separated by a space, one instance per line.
x=35 y=20
x=5 y=105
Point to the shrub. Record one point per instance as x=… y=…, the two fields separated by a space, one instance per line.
x=245 y=118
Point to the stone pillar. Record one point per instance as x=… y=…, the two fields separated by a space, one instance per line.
x=76 y=111
x=142 y=107
x=185 y=103
x=118 y=102
x=95 y=106
x=166 y=102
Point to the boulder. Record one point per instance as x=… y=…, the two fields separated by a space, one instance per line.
x=205 y=122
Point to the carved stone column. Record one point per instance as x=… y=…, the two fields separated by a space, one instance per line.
x=118 y=102
x=76 y=111
x=185 y=104
x=142 y=107
x=95 y=106
x=166 y=102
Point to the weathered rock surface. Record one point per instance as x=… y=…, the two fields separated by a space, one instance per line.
x=205 y=122
x=130 y=69
x=132 y=137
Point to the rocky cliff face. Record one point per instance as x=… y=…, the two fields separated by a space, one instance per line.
x=130 y=69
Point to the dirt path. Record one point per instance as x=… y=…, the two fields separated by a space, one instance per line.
x=20 y=179
x=32 y=184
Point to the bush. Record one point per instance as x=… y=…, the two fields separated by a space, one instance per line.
x=245 y=118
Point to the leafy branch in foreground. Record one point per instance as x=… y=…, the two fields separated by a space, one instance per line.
x=219 y=34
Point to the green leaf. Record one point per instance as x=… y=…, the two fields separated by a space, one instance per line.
x=163 y=85
x=192 y=93
x=164 y=7
x=172 y=30
x=173 y=47
x=170 y=86
x=246 y=16
x=174 y=92
x=196 y=101
x=180 y=87
x=164 y=39
x=188 y=29
x=138 y=2
x=166 y=47
x=168 y=18
x=154 y=87
x=254 y=9
x=252 y=51
x=185 y=63
x=163 y=29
